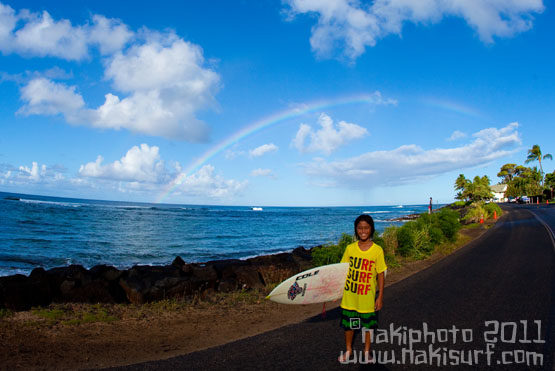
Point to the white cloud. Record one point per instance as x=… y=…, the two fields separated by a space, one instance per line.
x=109 y=34
x=142 y=170
x=457 y=135
x=328 y=138
x=44 y=97
x=263 y=172
x=140 y=164
x=35 y=174
x=353 y=25
x=409 y=163
x=24 y=77
x=263 y=149
x=165 y=85
x=38 y=34
x=205 y=182
x=160 y=81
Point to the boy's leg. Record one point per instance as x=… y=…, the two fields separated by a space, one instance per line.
x=344 y=357
x=366 y=340
x=349 y=334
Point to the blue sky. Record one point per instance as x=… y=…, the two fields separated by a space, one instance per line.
x=291 y=103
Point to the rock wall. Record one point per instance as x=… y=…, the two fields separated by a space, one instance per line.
x=141 y=284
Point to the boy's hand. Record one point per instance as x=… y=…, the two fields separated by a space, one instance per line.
x=379 y=304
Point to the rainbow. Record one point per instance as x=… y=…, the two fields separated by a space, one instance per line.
x=374 y=99
x=453 y=107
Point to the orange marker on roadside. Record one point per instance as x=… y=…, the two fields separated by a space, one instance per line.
x=494 y=214
x=481 y=219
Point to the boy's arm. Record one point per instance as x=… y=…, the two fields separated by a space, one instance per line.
x=379 y=301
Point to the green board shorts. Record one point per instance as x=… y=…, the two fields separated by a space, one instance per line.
x=353 y=320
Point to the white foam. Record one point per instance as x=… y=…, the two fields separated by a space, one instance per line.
x=71 y=204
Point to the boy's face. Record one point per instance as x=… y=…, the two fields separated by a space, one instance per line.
x=363 y=230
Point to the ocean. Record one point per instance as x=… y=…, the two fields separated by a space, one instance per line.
x=40 y=231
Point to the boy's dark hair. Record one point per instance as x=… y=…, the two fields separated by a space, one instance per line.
x=368 y=219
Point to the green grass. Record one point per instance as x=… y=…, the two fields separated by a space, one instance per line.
x=448 y=247
x=69 y=315
x=49 y=314
x=477 y=226
x=5 y=313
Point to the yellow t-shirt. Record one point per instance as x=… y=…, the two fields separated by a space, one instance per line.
x=360 y=287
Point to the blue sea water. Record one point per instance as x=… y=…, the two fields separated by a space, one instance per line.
x=39 y=231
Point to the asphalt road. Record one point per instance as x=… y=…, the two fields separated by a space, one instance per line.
x=489 y=305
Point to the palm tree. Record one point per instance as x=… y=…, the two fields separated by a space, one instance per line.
x=535 y=153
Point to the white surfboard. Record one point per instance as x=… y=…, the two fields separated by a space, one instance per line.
x=316 y=285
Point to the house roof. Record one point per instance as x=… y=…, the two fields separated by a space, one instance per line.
x=499 y=188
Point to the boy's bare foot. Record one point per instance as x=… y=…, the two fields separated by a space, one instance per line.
x=367 y=357
x=344 y=356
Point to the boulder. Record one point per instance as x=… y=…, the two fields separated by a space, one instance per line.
x=303 y=258
x=248 y=276
x=97 y=291
x=154 y=271
x=275 y=268
x=143 y=290
x=178 y=262
x=73 y=275
x=146 y=284
x=134 y=289
x=227 y=285
x=141 y=284
x=204 y=272
x=19 y=292
x=106 y=272
x=242 y=272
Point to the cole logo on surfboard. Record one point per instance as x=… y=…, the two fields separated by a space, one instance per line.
x=303 y=276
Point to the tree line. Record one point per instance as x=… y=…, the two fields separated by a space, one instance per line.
x=520 y=180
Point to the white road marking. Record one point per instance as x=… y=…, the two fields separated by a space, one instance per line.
x=549 y=230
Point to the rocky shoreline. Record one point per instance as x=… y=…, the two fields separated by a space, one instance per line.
x=404 y=218
x=141 y=284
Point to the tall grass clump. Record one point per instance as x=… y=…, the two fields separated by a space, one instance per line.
x=414 y=239
x=491 y=207
x=390 y=245
x=476 y=212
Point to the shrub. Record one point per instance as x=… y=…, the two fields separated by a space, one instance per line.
x=476 y=212
x=491 y=207
x=330 y=254
x=449 y=223
x=436 y=235
x=391 y=261
x=406 y=236
x=378 y=239
x=458 y=204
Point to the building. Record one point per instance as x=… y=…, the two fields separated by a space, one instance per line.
x=499 y=192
